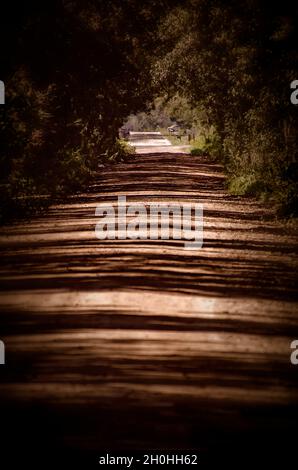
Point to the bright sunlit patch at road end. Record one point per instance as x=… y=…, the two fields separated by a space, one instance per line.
x=148 y=139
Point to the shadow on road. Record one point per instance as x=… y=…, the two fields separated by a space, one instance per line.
x=122 y=344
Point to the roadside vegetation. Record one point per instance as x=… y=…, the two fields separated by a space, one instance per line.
x=68 y=69
x=234 y=61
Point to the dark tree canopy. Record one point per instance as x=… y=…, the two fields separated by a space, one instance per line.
x=74 y=69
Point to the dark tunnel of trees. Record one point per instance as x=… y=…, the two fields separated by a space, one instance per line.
x=75 y=69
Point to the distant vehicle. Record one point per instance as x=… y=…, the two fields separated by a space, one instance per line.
x=174 y=128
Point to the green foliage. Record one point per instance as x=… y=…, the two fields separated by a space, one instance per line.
x=120 y=152
x=68 y=92
x=71 y=171
x=208 y=145
x=199 y=147
x=234 y=62
x=197 y=151
x=247 y=185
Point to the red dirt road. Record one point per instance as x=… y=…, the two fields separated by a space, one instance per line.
x=140 y=344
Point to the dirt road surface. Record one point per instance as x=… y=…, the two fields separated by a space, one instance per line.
x=140 y=344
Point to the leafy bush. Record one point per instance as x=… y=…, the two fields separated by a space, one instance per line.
x=208 y=145
x=121 y=151
x=71 y=172
x=237 y=71
x=197 y=151
x=247 y=185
